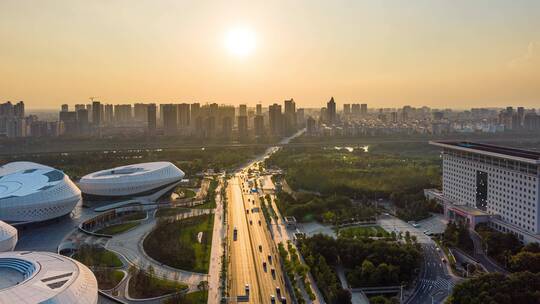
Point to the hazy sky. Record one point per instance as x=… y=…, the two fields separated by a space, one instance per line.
x=454 y=53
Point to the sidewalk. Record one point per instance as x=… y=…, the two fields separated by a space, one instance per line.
x=214 y=294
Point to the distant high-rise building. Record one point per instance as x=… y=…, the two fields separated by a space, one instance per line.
x=151 y=118
x=347 y=109
x=80 y=107
x=170 y=119
x=18 y=109
x=65 y=108
x=140 y=112
x=69 y=120
x=520 y=116
x=122 y=113
x=331 y=111
x=108 y=113
x=242 y=127
x=275 y=119
x=227 y=126
x=184 y=116
x=82 y=121
x=242 y=110
x=259 y=125
x=311 y=126
x=531 y=122
x=363 y=109
x=210 y=127
x=290 y=116
x=96 y=113
x=258 y=109
x=300 y=117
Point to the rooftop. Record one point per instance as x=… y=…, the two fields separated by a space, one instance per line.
x=129 y=170
x=492 y=150
x=23 y=178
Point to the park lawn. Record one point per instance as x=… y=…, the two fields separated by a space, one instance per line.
x=366 y=231
x=138 y=215
x=188 y=235
x=118 y=228
x=188 y=193
x=156 y=287
x=197 y=297
x=109 y=278
x=171 y=211
x=91 y=256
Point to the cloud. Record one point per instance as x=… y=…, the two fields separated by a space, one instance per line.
x=533 y=51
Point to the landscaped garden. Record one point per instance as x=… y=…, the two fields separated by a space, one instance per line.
x=97 y=256
x=362 y=232
x=108 y=278
x=188 y=243
x=118 y=228
x=143 y=284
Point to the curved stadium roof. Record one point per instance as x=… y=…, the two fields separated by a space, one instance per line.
x=130 y=179
x=43 y=277
x=33 y=192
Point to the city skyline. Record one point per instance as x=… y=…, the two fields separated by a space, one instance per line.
x=385 y=53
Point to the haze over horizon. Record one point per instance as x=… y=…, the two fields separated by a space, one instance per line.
x=443 y=54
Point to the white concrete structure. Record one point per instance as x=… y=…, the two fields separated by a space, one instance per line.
x=495 y=184
x=45 y=277
x=136 y=180
x=8 y=237
x=31 y=192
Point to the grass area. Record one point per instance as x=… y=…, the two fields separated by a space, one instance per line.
x=210 y=200
x=165 y=212
x=183 y=250
x=109 y=278
x=197 y=297
x=118 y=228
x=134 y=216
x=360 y=232
x=142 y=285
x=185 y=193
x=97 y=256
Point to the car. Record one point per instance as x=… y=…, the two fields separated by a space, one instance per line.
x=270 y=259
x=264 y=266
x=426 y=232
x=273 y=272
x=235 y=233
x=415 y=225
x=278 y=292
x=272 y=299
x=443 y=260
x=283 y=300
x=438 y=249
x=250 y=222
x=247 y=289
x=260 y=248
x=259 y=222
x=247 y=211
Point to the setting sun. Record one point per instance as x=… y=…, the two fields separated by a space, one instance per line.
x=240 y=41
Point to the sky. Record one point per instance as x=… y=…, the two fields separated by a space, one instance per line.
x=443 y=54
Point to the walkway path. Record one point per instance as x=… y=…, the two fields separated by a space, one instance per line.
x=129 y=246
x=218 y=236
x=481 y=257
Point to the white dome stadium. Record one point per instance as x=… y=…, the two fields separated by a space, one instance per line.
x=8 y=237
x=31 y=192
x=131 y=181
x=44 y=277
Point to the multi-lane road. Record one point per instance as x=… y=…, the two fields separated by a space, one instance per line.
x=254 y=259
